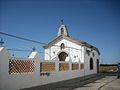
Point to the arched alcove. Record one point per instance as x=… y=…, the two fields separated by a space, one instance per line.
x=62 y=56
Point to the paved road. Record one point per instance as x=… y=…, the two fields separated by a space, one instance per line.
x=106 y=83
x=95 y=82
x=113 y=85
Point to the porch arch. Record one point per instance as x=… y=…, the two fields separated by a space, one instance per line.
x=62 y=56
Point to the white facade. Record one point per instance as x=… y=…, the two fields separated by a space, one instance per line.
x=75 y=52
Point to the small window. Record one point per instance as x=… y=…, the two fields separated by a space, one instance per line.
x=62 y=46
x=93 y=54
x=62 y=31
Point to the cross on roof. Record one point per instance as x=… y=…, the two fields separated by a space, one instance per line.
x=62 y=21
x=1 y=42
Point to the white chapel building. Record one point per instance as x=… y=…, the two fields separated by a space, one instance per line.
x=66 y=48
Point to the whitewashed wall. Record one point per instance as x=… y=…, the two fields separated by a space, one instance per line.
x=17 y=80
x=87 y=62
x=73 y=50
x=24 y=80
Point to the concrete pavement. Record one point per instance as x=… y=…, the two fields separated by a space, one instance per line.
x=106 y=83
x=113 y=85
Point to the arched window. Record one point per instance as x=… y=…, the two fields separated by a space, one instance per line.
x=93 y=54
x=91 y=64
x=62 y=31
x=62 y=46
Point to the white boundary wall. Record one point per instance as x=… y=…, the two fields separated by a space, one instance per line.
x=24 y=80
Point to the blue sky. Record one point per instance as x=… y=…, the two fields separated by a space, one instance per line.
x=94 y=21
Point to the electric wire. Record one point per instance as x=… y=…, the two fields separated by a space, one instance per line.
x=18 y=37
x=19 y=50
x=22 y=38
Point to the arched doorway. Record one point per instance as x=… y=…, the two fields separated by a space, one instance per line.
x=62 y=56
x=91 y=63
x=97 y=65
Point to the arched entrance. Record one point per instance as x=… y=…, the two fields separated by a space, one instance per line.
x=91 y=63
x=62 y=56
